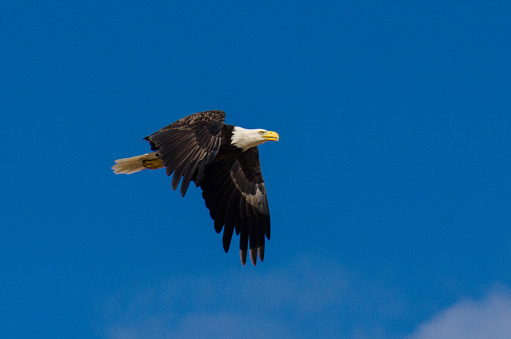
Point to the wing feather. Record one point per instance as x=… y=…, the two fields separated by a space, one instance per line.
x=188 y=145
x=234 y=191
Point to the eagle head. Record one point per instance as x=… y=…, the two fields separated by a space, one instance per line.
x=246 y=138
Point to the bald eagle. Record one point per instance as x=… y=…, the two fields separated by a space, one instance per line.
x=224 y=161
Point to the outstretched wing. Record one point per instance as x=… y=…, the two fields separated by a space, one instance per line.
x=234 y=191
x=188 y=145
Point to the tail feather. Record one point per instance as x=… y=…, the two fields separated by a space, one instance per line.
x=137 y=164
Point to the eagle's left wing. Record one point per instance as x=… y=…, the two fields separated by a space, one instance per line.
x=235 y=195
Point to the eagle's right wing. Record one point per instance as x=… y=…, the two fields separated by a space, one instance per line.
x=188 y=145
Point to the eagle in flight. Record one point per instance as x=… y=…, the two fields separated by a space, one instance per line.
x=224 y=161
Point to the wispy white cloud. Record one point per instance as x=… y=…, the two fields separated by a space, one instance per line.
x=312 y=297
x=487 y=318
x=200 y=325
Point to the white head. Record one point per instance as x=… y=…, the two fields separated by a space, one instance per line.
x=246 y=138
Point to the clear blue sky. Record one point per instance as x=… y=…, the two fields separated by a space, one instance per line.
x=389 y=190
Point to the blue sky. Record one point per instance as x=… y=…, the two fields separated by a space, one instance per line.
x=389 y=189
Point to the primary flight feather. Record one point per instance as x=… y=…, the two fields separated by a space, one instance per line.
x=223 y=160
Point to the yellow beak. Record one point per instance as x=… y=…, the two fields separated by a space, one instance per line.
x=271 y=136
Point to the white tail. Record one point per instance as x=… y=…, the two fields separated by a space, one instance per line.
x=137 y=164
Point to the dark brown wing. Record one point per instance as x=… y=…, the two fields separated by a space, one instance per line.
x=234 y=191
x=188 y=145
